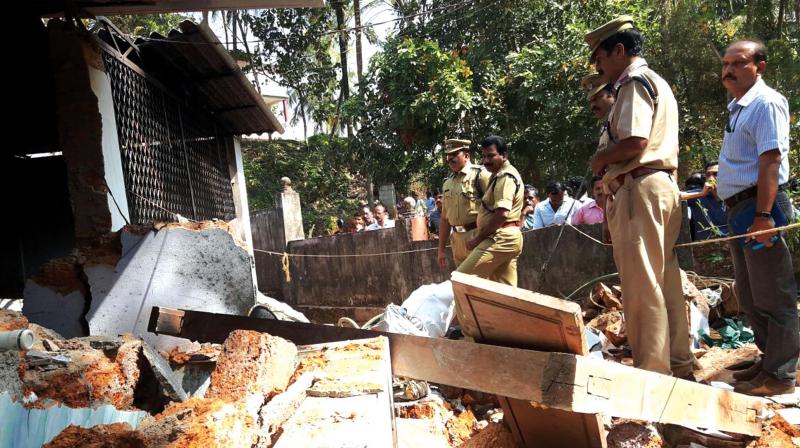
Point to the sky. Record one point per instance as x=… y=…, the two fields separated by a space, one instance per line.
x=380 y=13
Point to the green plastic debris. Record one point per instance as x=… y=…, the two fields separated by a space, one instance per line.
x=732 y=335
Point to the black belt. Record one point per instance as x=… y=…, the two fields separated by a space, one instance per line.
x=747 y=194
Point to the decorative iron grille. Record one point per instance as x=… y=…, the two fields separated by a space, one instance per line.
x=174 y=156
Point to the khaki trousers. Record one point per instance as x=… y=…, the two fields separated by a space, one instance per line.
x=458 y=243
x=495 y=258
x=644 y=218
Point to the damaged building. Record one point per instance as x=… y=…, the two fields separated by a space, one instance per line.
x=119 y=135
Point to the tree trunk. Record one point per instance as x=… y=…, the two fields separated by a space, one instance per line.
x=359 y=57
x=249 y=56
x=344 y=87
x=781 y=12
x=232 y=23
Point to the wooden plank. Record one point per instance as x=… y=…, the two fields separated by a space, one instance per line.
x=559 y=380
x=350 y=403
x=500 y=314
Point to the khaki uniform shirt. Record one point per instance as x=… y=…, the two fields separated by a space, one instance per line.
x=460 y=195
x=636 y=114
x=506 y=190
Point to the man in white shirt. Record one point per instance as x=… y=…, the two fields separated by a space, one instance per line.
x=382 y=220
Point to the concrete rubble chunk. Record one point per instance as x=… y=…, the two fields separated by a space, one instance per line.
x=200 y=422
x=280 y=408
x=252 y=363
x=164 y=374
x=114 y=435
x=634 y=435
x=84 y=377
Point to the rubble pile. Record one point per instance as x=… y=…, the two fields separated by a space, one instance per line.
x=258 y=390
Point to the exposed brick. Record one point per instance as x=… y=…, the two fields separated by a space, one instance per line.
x=252 y=363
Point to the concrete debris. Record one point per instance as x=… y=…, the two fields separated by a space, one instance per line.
x=200 y=422
x=193 y=352
x=166 y=377
x=612 y=325
x=87 y=379
x=718 y=364
x=631 y=434
x=495 y=435
x=114 y=435
x=252 y=363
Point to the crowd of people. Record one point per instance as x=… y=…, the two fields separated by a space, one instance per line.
x=635 y=195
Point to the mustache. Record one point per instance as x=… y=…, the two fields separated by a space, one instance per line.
x=731 y=77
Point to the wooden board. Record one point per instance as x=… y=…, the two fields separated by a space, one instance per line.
x=494 y=313
x=350 y=403
x=562 y=381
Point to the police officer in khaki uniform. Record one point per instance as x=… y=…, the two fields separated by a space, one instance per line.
x=498 y=242
x=644 y=213
x=462 y=192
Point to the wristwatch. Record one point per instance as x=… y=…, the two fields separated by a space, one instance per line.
x=764 y=215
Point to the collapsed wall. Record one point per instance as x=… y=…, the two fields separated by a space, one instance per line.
x=109 y=289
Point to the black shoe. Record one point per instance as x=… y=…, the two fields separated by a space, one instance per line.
x=750 y=372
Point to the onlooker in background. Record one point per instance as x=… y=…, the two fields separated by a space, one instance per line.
x=382 y=220
x=592 y=211
x=557 y=208
x=531 y=199
x=420 y=209
x=707 y=215
x=435 y=215
x=430 y=202
x=574 y=185
x=366 y=215
x=357 y=223
x=407 y=210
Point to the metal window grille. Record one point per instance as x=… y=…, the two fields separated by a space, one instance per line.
x=174 y=156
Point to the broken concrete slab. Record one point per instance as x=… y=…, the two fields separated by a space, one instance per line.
x=170 y=385
x=203 y=268
x=252 y=363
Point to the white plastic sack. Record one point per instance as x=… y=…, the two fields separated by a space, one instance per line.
x=396 y=320
x=699 y=321
x=433 y=305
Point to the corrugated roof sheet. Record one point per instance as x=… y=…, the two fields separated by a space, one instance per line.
x=192 y=60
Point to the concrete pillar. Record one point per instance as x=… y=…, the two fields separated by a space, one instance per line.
x=387 y=195
x=288 y=202
x=236 y=169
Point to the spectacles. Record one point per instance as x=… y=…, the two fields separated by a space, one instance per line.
x=730 y=129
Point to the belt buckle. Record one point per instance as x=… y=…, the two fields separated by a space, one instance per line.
x=460 y=229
